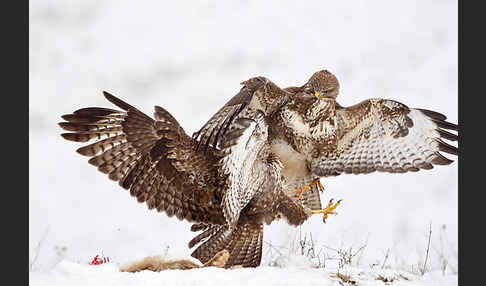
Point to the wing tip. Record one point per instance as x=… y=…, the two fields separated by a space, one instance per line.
x=116 y=101
x=433 y=114
x=447 y=135
x=108 y=95
x=67 y=117
x=444 y=147
x=75 y=137
x=446 y=125
x=439 y=159
x=85 y=151
x=63 y=125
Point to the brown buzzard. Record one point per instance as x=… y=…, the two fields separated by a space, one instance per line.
x=313 y=136
x=257 y=158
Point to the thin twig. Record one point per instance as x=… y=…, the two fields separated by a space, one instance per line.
x=428 y=247
x=386 y=257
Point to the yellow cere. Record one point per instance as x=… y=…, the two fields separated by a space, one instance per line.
x=316 y=94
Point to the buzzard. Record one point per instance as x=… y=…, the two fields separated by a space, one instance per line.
x=258 y=158
x=313 y=136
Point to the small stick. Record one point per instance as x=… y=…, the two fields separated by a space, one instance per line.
x=428 y=247
x=386 y=257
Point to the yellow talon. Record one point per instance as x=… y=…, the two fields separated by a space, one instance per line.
x=300 y=191
x=316 y=183
x=329 y=209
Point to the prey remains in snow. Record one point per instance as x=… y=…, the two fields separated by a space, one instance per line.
x=159 y=263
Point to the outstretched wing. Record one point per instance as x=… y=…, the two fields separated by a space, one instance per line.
x=257 y=93
x=387 y=136
x=151 y=158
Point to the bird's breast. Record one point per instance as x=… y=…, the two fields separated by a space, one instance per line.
x=294 y=163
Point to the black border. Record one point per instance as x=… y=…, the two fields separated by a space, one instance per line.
x=14 y=23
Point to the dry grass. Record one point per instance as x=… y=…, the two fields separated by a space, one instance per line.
x=387 y=279
x=345 y=279
x=318 y=254
x=437 y=254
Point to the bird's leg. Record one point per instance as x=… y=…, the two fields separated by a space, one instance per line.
x=329 y=209
x=316 y=183
x=300 y=191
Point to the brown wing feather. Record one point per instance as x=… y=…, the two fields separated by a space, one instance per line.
x=387 y=136
x=151 y=159
x=257 y=93
x=220 y=121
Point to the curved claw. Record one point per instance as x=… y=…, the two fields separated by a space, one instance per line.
x=329 y=209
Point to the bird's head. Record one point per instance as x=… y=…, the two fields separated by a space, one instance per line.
x=322 y=84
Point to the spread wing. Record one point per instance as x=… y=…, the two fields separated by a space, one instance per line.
x=151 y=158
x=256 y=94
x=387 y=136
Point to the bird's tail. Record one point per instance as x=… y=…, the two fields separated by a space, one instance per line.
x=243 y=242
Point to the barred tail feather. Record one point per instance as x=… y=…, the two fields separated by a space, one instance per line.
x=243 y=243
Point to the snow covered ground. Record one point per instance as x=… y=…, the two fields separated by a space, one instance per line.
x=69 y=273
x=190 y=57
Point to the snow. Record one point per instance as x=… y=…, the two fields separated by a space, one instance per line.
x=70 y=273
x=190 y=58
